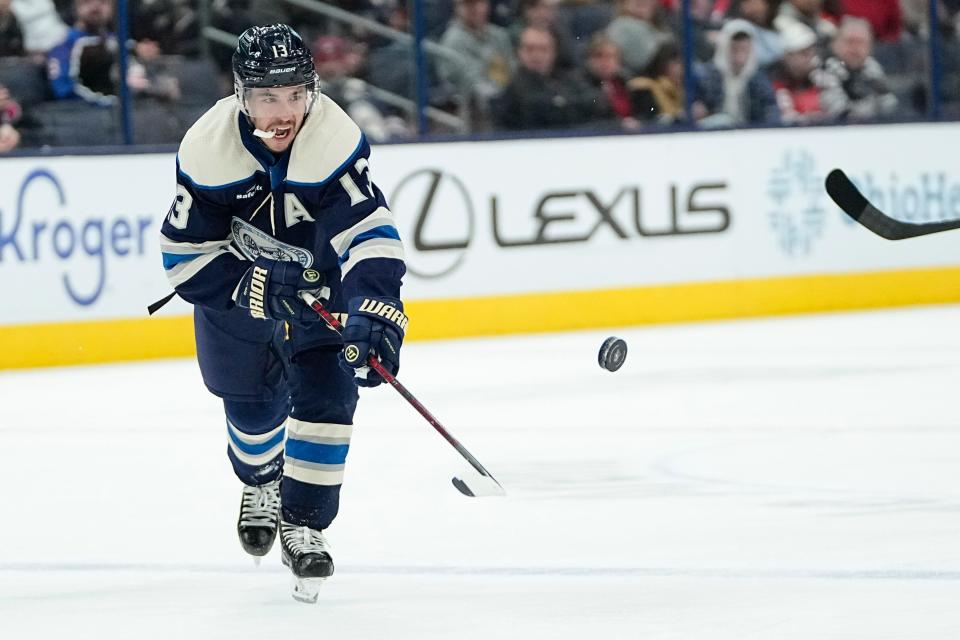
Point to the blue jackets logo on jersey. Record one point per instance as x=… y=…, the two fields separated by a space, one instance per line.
x=254 y=243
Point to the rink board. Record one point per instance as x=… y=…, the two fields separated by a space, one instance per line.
x=515 y=236
x=117 y=340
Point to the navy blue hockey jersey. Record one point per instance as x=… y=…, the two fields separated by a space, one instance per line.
x=314 y=204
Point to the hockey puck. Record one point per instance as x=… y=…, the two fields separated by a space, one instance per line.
x=613 y=352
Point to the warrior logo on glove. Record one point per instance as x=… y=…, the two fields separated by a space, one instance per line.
x=351 y=353
x=385 y=311
x=375 y=327
x=271 y=290
x=258 y=285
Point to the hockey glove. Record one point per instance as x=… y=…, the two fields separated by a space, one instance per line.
x=271 y=289
x=375 y=326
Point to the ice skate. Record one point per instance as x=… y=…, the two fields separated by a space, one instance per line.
x=259 y=517
x=306 y=552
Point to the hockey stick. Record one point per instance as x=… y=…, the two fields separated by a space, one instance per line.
x=486 y=484
x=848 y=198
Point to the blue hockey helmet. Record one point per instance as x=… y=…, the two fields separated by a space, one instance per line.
x=273 y=56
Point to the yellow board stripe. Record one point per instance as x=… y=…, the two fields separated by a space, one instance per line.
x=688 y=302
x=144 y=338
x=52 y=344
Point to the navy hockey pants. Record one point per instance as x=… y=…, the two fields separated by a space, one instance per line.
x=289 y=407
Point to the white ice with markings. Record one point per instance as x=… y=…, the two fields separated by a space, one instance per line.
x=790 y=478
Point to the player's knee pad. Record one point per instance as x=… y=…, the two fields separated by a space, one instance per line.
x=240 y=358
x=321 y=391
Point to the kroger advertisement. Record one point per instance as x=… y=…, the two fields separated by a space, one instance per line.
x=78 y=235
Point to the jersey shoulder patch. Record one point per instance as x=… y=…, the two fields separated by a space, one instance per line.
x=212 y=155
x=325 y=145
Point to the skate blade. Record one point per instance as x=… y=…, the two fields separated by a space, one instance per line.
x=306 y=590
x=256 y=561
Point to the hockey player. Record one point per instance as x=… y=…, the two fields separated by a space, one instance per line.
x=274 y=198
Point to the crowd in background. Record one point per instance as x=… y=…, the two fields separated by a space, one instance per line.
x=501 y=65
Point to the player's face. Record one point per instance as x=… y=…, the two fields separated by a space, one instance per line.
x=278 y=109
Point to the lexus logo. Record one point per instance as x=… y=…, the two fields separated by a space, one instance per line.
x=434 y=209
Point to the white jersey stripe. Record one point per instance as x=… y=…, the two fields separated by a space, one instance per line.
x=341 y=241
x=371 y=249
x=312 y=476
x=185 y=270
x=254 y=438
x=300 y=429
x=181 y=248
x=259 y=459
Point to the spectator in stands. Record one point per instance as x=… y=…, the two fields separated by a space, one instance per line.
x=436 y=17
x=766 y=39
x=9 y=138
x=330 y=53
x=41 y=25
x=659 y=96
x=639 y=32
x=486 y=59
x=852 y=67
x=603 y=72
x=718 y=9
x=587 y=17
x=388 y=67
x=235 y=16
x=705 y=23
x=732 y=87
x=916 y=16
x=811 y=14
x=884 y=16
x=11 y=36
x=803 y=91
x=172 y=24
x=543 y=13
x=252 y=11
x=9 y=114
x=540 y=97
x=84 y=65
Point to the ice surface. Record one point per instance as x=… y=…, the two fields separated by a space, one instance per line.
x=785 y=478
